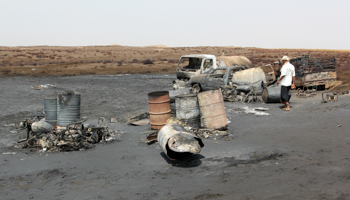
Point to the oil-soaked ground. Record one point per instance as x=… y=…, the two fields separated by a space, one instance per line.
x=301 y=154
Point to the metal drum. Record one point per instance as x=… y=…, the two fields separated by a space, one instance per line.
x=50 y=106
x=212 y=108
x=272 y=94
x=68 y=108
x=187 y=109
x=159 y=108
x=174 y=93
x=249 y=75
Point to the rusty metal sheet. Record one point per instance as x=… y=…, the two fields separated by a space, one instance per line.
x=141 y=122
x=320 y=76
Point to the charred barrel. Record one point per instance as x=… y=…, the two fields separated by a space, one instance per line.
x=50 y=106
x=68 y=107
x=187 y=109
x=177 y=143
x=212 y=108
x=159 y=108
x=271 y=94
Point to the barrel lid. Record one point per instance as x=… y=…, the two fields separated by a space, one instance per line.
x=158 y=93
x=186 y=95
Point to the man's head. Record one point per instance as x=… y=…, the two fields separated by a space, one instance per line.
x=285 y=59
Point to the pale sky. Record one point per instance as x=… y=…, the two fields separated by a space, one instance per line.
x=311 y=24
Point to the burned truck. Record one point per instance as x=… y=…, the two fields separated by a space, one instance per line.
x=195 y=64
x=313 y=72
x=236 y=83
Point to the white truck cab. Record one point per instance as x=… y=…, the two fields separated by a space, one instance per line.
x=193 y=64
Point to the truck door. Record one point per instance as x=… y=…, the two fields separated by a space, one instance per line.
x=215 y=79
x=207 y=65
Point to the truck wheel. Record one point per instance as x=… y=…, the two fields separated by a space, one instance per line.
x=196 y=88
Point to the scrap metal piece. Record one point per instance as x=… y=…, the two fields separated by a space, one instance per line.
x=41 y=127
x=141 y=122
x=177 y=143
x=329 y=96
x=150 y=138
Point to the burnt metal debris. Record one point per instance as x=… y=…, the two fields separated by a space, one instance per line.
x=211 y=133
x=243 y=93
x=76 y=136
x=317 y=71
x=305 y=93
x=343 y=89
x=329 y=96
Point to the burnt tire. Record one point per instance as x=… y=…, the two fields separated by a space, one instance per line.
x=196 y=88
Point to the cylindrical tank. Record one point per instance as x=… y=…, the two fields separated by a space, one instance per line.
x=174 y=93
x=249 y=76
x=212 y=108
x=50 y=106
x=271 y=94
x=235 y=60
x=68 y=108
x=159 y=108
x=187 y=109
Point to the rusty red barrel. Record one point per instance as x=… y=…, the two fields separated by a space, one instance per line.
x=159 y=108
x=212 y=108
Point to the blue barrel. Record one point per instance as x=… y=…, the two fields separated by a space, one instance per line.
x=68 y=107
x=50 y=106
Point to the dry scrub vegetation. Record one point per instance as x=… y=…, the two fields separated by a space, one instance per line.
x=114 y=59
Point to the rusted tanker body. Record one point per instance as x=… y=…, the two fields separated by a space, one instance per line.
x=313 y=71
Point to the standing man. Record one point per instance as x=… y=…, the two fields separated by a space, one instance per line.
x=287 y=80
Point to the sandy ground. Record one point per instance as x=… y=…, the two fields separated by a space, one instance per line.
x=301 y=154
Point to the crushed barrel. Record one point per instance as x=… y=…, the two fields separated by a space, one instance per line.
x=177 y=143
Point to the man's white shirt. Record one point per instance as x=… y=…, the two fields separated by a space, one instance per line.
x=288 y=72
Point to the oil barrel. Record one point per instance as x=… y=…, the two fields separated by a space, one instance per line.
x=159 y=108
x=187 y=109
x=212 y=110
x=50 y=106
x=68 y=108
x=271 y=94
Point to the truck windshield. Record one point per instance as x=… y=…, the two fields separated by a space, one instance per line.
x=190 y=63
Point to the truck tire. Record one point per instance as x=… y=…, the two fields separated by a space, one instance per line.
x=196 y=88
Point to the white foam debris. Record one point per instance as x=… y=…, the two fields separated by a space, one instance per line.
x=9 y=153
x=248 y=110
x=254 y=111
